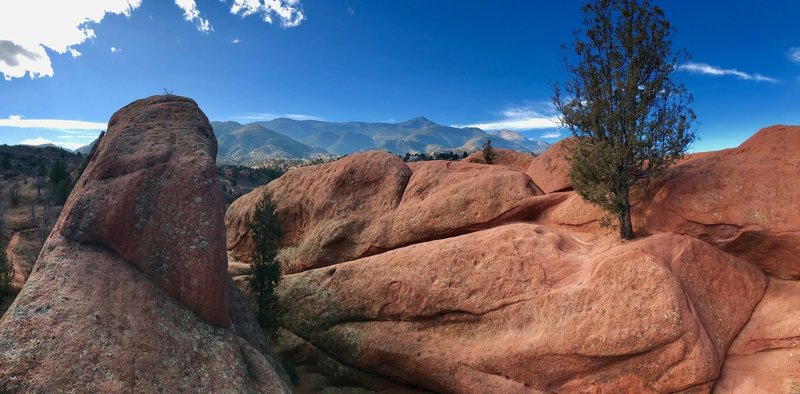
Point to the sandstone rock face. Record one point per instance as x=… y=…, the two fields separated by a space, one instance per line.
x=155 y=165
x=517 y=161
x=519 y=307
x=765 y=357
x=129 y=293
x=483 y=278
x=745 y=201
x=550 y=170
x=371 y=202
x=331 y=212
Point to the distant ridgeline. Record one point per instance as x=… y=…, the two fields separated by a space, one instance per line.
x=307 y=139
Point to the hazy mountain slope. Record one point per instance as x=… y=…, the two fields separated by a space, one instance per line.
x=415 y=135
x=248 y=144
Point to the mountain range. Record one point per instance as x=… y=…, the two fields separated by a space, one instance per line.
x=284 y=138
x=289 y=138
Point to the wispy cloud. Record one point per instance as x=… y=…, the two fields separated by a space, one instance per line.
x=261 y=116
x=288 y=12
x=192 y=14
x=552 y=134
x=235 y=41
x=520 y=118
x=45 y=141
x=706 y=69
x=350 y=10
x=50 y=124
x=794 y=54
x=115 y=50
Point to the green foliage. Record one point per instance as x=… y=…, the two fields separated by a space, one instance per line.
x=59 y=182
x=488 y=152
x=630 y=120
x=422 y=156
x=265 y=270
x=5 y=273
x=6 y=162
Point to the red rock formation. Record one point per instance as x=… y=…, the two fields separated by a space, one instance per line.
x=129 y=292
x=370 y=202
x=519 y=307
x=517 y=161
x=550 y=170
x=765 y=357
x=456 y=296
x=745 y=201
x=330 y=213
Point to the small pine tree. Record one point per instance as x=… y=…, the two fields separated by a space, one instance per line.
x=488 y=152
x=629 y=118
x=265 y=270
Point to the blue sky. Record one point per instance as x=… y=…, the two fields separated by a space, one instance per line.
x=491 y=64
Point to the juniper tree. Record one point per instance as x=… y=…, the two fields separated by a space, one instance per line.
x=629 y=118
x=265 y=270
x=488 y=152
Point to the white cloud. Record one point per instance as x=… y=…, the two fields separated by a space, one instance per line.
x=52 y=124
x=552 y=134
x=703 y=68
x=192 y=14
x=794 y=54
x=116 y=50
x=27 y=27
x=45 y=141
x=235 y=41
x=288 y=12
x=263 y=116
x=519 y=118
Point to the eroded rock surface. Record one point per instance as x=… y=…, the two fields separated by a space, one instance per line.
x=490 y=279
x=129 y=293
x=745 y=201
x=519 y=307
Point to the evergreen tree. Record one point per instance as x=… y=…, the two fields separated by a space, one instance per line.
x=265 y=270
x=488 y=152
x=6 y=273
x=629 y=119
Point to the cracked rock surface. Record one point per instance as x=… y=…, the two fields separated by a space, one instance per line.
x=130 y=292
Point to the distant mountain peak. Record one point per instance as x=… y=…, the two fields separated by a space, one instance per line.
x=419 y=121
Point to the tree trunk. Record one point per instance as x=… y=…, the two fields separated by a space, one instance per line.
x=625 y=226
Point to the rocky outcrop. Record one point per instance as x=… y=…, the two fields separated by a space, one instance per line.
x=519 y=307
x=329 y=213
x=550 y=170
x=765 y=357
x=484 y=278
x=130 y=292
x=743 y=200
x=372 y=202
x=517 y=161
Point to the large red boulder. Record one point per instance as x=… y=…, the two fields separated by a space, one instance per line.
x=150 y=194
x=450 y=198
x=743 y=200
x=521 y=308
x=550 y=170
x=765 y=357
x=329 y=213
x=371 y=202
x=130 y=292
x=517 y=161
